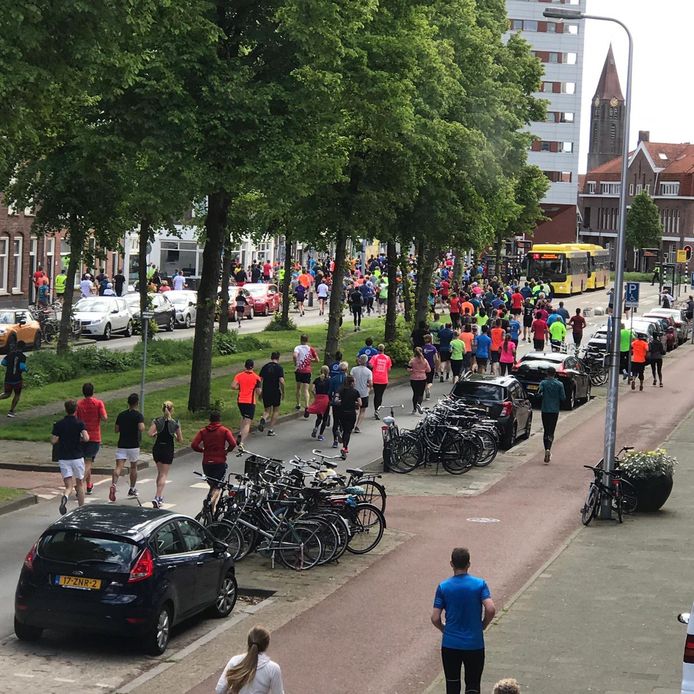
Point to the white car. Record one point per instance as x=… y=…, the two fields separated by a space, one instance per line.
x=185 y=302
x=688 y=658
x=101 y=316
x=682 y=325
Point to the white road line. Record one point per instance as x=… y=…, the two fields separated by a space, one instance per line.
x=199 y=485
x=64 y=679
x=22 y=674
x=103 y=481
x=167 y=506
x=146 y=479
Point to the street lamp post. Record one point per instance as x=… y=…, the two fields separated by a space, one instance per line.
x=614 y=333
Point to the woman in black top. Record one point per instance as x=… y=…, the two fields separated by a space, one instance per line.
x=321 y=403
x=347 y=408
x=167 y=430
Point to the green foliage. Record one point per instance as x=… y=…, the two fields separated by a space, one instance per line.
x=639 y=465
x=226 y=343
x=644 y=229
x=278 y=325
x=400 y=349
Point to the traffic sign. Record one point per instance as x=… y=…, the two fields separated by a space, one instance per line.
x=681 y=255
x=631 y=295
x=148 y=314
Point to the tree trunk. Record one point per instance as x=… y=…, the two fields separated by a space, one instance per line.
x=224 y=296
x=458 y=267
x=142 y=272
x=287 y=279
x=406 y=285
x=332 y=341
x=391 y=331
x=216 y=231
x=76 y=245
x=425 y=266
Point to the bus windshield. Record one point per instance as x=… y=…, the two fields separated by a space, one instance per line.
x=547 y=266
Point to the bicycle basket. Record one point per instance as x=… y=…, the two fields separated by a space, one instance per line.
x=254 y=466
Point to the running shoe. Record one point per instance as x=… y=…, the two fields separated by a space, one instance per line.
x=11 y=414
x=112 y=493
x=271 y=432
x=314 y=432
x=344 y=453
x=132 y=491
x=376 y=415
x=633 y=385
x=419 y=409
x=357 y=430
x=298 y=407
x=306 y=414
x=90 y=489
x=63 y=505
x=335 y=444
x=548 y=455
x=440 y=379
x=261 y=424
x=155 y=503
x=321 y=437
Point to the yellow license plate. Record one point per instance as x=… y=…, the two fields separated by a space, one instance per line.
x=78 y=582
x=532 y=387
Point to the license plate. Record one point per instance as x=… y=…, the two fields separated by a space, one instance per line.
x=533 y=387
x=78 y=582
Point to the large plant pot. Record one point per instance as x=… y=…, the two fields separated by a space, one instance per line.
x=652 y=493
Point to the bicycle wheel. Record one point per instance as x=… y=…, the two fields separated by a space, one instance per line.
x=599 y=378
x=590 y=508
x=367 y=524
x=205 y=516
x=299 y=547
x=405 y=454
x=490 y=447
x=328 y=535
x=374 y=493
x=458 y=457
x=342 y=528
x=228 y=534
x=629 y=498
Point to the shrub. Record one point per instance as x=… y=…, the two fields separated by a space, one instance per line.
x=276 y=324
x=251 y=343
x=164 y=352
x=641 y=465
x=226 y=343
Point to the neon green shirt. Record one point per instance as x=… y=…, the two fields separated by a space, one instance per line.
x=557 y=331
x=457 y=349
x=482 y=321
x=625 y=340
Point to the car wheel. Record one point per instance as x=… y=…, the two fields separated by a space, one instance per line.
x=37 y=341
x=226 y=597
x=107 y=332
x=156 y=641
x=570 y=401
x=171 y=325
x=528 y=427
x=510 y=436
x=129 y=329
x=24 y=632
x=186 y=321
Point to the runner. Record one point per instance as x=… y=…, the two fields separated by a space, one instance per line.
x=483 y=345
x=431 y=354
x=368 y=349
x=15 y=363
x=321 y=403
x=241 y=302
x=214 y=442
x=304 y=356
x=348 y=403
x=578 y=324
x=496 y=334
x=167 y=430
x=272 y=392
x=469 y=609
x=322 y=291
x=557 y=334
x=625 y=337
x=380 y=365
x=356 y=303
x=300 y=296
x=507 y=356
x=363 y=382
x=552 y=393
x=457 y=355
x=528 y=316
x=129 y=426
x=92 y=412
x=67 y=436
x=540 y=332
x=247 y=383
x=336 y=382
x=59 y=285
x=468 y=339
x=419 y=368
x=454 y=308
x=639 y=354
x=446 y=334
x=656 y=352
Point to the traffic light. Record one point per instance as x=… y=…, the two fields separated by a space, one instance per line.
x=688 y=251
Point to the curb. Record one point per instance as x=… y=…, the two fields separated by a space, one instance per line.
x=16 y=504
x=53 y=467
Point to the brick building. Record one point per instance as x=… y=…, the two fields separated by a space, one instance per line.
x=666 y=172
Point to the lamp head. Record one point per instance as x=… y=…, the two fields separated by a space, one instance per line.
x=560 y=13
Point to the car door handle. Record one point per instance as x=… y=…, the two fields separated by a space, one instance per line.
x=171 y=567
x=199 y=563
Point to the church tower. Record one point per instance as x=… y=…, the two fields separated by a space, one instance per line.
x=606 y=117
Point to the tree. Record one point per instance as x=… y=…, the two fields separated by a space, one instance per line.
x=643 y=228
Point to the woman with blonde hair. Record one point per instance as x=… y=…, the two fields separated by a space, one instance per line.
x=166 y=429
x=419 y=368
x=252 y=672
x=506 y=686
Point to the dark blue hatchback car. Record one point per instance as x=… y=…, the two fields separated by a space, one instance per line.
x=123 y=570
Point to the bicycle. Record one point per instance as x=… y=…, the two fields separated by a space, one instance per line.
x=621 y=493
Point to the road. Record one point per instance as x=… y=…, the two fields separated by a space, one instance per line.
x=513 y=495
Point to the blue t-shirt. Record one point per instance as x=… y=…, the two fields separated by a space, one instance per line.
x=484 y=343
x=461 y=598
x=370 y=351
x=553 y=318
x=552 y=392
x=514 y=329
x=445 y=337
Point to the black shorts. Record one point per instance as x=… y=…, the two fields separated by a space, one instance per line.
x=527 y=322
x=217 y=471
x=495 y=356
x=430 y=376
x=15 y=388
x=481 y=363
x=272 y=400
x=516 y=311
x=302 y=378
x=246 y=409
x=364 y=401
x=90 y=449
x=456 y=366
x=240 y=310
x=445 y=355
x=163 y=454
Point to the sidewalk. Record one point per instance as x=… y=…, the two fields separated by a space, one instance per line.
x=601 y=617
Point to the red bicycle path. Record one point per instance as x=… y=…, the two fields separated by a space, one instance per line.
x=374 y=634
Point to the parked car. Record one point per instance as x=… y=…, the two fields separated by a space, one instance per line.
x=101 y=316
x=666 y=326
x=531 y=369
x=122 y=570
x=185 y=302
x=18 y=324
x=505 y=400
x=688 y=657
x=679 y=319
x=164 y=311
x=249 y=313
x=660 y=330
x=266 y=298
x=598 y=340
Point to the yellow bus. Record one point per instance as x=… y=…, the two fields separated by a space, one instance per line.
x=563 y=265
x=598 y=265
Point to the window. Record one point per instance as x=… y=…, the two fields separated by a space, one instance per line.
x=670 y=188
x=571 y=29
x=545 y=146
x=4 y=250
x=194 y=537
x=567 y=147
x=568 y=88
x=610 y=188
x=570 y=58
x=529 y=25
x=639 y=188
x=590 y=187
x=33 y=249
x=647 y=188
x=50 y=255
x=662 y=156
x=551 y=27
x=547 y=87
x=166 y=540
x=631 y=189
x=516 y=24
x=17 y=264
x=553 y=57
x=567 y=117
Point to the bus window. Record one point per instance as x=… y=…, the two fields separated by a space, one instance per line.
x=547 y=266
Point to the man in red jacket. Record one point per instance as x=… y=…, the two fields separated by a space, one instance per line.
x=214 y=442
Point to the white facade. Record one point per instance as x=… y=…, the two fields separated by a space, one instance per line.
x=567 y=49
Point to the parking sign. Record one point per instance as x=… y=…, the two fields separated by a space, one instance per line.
x=631 y=295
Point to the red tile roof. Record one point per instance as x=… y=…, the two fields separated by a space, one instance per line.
x=675 y=159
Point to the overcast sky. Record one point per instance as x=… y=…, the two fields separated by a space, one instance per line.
x=663 y=88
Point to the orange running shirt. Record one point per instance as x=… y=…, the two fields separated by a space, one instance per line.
x=639 y=350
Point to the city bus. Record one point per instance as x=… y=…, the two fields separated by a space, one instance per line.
x=598 y=265
x=563 y=265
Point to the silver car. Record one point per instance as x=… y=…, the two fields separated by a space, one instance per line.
x=101 y=316
x=185 y=302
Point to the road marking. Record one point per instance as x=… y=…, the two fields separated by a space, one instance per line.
x=103 y=481
x=200 y=485
x=167 y=506
x=22 y=674
x=47 y=497
x=63 y=679
x=483 y=520
x=146 y=479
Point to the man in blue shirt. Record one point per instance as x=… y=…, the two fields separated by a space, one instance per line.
x=469 y=608
x=368 y=349
x=553 y=317
x=552 y=392
x=484 y=345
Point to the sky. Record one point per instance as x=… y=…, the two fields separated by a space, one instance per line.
x=663 y=88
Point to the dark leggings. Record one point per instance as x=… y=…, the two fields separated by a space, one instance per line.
x=657 y=365
x=418 y=388
x=505 y=367
x=356 y=310
x=453 y=661
x=347 y=422
x=379 y=389
x=336 y=423
x=549 y=424
x=322 y=421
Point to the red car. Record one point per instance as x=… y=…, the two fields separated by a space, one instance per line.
x=263 y=299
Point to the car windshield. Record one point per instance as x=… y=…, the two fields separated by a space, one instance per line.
x=478 y=390
x=535 y=359
x=96 y=305
x=179 y=299
x=132 y=299
x=257 y=291
x=7 y=317
x=80 y=547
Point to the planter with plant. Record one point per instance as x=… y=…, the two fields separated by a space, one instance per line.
x=650 y=473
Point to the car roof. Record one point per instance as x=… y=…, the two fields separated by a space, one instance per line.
x=546 y=356
x=504 y=381
x=133 y=522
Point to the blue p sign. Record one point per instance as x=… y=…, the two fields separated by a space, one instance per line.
x=631 y=295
